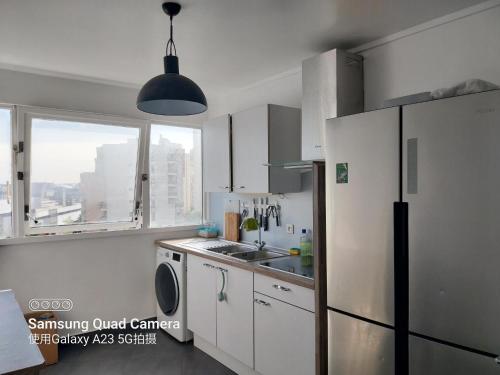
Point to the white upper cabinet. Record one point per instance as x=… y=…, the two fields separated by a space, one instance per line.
x=217 y=154
x=332 y=86
x=263 y=135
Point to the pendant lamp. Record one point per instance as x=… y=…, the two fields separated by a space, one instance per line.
x=171 y=94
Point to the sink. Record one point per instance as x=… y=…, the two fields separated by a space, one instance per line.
x=254 y=255
x=240 y=252
x=218 y=246
x=227 y=250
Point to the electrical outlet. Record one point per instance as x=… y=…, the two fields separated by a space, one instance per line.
x=290 y=229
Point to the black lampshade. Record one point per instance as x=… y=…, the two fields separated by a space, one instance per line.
x=171 y=94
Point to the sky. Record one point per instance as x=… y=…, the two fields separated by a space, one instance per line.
x=5 y=146
x=61 y=150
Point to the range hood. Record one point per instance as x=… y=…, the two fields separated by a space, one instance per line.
x=300 y=164
x=332 y=86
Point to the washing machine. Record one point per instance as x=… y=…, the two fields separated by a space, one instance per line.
x=170 y=287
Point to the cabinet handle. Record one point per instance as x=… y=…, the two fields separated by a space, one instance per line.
x=240 y=187
x=261 y=302
x=224 y=187
x=497 y=360
x=208 y=265
x=283 y=288
x=221 y=269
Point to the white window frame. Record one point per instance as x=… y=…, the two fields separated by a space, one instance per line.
x=146 y=186
x=13 y=174
x=24 y=120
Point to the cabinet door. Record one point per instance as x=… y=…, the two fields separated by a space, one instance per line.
x=217 y=155
x=250 y=150
x=235 y=313
x=284 y=338
x=201 y=298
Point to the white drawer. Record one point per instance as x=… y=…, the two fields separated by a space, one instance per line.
x=285 y=291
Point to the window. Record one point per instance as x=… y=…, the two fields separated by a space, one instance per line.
x=5 y=172
x=82 y=175
x=68 y=172
x=175 y=176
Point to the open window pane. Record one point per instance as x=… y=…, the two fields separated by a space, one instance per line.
x=5 y=173
x=175 y=176
x=82 y=173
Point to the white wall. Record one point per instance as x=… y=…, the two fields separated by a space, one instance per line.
x=283 y=89
x=296 y=209
x=110 y=277
x=63 y=93
x=437 y=54
x=113 y=277
x=441 y=56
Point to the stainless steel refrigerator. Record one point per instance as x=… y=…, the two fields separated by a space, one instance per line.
x=438 y=163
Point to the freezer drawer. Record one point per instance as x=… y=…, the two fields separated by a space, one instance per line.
x=356 y=347
x=451 y=180
x=362 y=183
x=431 y=358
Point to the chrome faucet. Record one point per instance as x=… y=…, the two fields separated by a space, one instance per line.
x=259 y=244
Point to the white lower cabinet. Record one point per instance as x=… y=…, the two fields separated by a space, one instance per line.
x=220 y=306
x=201 y=298
x=284 y=338
x=235 y=313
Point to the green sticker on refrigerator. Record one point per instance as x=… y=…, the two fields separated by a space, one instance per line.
x=342 y=173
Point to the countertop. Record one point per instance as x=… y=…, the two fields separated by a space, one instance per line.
x=250 y=266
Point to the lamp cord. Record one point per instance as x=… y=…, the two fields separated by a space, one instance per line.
x=171 y=44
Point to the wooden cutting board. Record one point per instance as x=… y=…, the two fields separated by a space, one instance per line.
x=232 y=226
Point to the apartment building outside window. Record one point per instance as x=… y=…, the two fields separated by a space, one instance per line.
x=67 y=172
x=175 y=176
x=6 y=196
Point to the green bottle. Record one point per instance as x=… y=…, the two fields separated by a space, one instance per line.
x=306 y=251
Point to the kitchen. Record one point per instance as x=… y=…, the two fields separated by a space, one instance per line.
x=237 y=155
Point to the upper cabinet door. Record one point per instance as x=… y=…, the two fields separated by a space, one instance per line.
x=250 y=150
x=217 y=155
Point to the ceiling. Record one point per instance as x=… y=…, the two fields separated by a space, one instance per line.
x=222 y=44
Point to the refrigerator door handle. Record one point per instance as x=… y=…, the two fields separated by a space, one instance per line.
x=412 y=166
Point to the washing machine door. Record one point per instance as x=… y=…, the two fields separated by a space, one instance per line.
x=167 y=289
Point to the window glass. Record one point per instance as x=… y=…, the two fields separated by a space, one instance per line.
x=175 y=176
x=5 y=173
x=82 y=173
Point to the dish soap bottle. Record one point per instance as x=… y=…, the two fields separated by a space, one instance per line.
x=306 y=253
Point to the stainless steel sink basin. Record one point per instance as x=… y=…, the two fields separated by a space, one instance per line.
x=252 y=256
x=240 y=252
x=227 y=250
